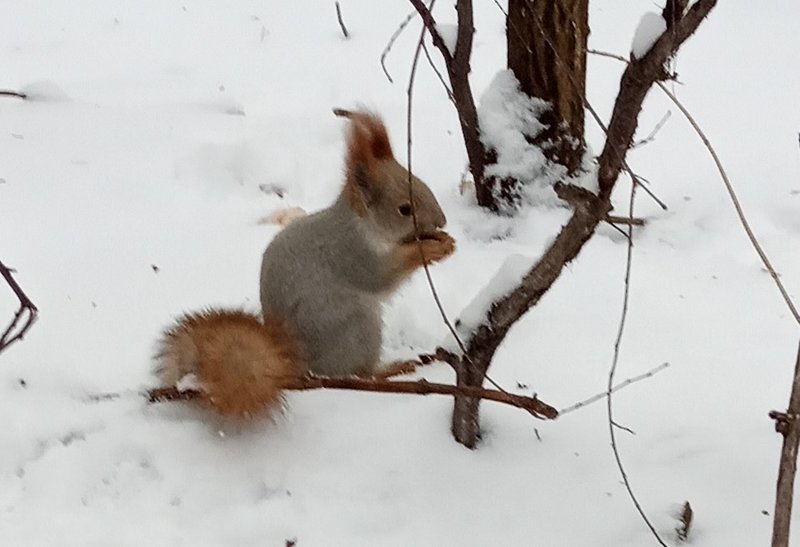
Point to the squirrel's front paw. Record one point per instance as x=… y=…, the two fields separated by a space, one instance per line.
x=436 y=246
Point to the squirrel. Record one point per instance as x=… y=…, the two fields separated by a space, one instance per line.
x=323 y=281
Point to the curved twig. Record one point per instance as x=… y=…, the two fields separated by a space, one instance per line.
x=398 y=31
x=728 y=186
x=736 y=204
x=612 y=425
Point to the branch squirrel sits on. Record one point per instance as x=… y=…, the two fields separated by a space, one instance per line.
x=323 y=281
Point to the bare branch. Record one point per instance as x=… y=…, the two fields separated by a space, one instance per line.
x=637 y=79
x=533 y=405
x=14 y=332
x=430 y=24
x=458 y=69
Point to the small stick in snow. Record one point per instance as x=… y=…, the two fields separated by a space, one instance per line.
x=684 y=522
x=341 y=22
x=611 y=219
x=9 y=93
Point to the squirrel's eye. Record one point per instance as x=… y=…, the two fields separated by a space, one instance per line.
x=405 y=209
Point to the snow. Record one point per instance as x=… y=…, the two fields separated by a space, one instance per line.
x=449 y=34
x=651 y=27
x=180 y=126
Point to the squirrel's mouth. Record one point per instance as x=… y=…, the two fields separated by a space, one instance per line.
x=423 y=235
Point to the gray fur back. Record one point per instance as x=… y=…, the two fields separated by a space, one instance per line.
x=323 y=275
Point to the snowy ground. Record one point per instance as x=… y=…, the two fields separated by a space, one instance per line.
x=151 y=130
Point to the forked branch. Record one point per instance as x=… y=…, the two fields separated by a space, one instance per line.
x=25 y=315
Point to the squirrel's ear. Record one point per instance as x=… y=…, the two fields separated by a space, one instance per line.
x=367 y=143
x=367 y=140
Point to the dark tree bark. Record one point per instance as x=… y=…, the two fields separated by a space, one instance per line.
x=547 y=52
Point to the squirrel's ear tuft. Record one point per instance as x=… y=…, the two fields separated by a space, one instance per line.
x=367 y=143
x=367 y=140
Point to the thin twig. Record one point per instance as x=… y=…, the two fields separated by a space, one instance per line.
x=438 y=74
x=533 y=405
x=603 y=395
x=341 y=22
x=10 y=93
x=612 y=425
x=410 y=94
x=736 y=204
x=14 y=332
x=728 y=186
x=652 y=135
x=612 y=219
x=398 y=31
x=607 y=54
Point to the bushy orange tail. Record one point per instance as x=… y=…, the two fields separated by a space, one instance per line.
x=237 y=361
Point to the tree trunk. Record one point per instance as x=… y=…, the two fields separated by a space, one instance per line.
x=547 y=53
x=546 y=50
x=466 y=428
x=546 y=42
